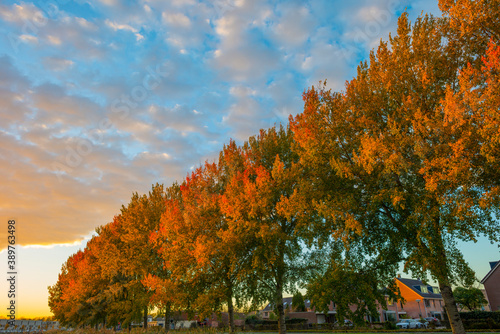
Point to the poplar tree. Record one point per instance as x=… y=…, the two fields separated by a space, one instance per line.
x=382 y=146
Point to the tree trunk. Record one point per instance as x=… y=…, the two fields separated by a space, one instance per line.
x=442 y=272
x=230 y=310
x=279 y=288
x=145 y=317
x=457 y=327
x=281 y=310
x=281 y=317
x=167 y=316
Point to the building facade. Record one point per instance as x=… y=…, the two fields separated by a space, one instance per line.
x=491 y=284
x=421 y=300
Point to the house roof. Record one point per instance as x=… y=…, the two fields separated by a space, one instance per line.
x=287 y=302
x=494 y=266
x=413 y=283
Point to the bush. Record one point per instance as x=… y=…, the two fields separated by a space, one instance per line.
x=253 y=319
x=296 y=321
x=390 y=325
x=495 y=316
x=480 y=324
x=480 y=320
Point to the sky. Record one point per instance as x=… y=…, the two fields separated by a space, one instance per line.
x=103 y=98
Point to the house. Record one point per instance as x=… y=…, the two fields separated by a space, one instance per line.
x=310 y=314
x=421 y=300
x=486 y=307
x=222 y=320
x=491 y=284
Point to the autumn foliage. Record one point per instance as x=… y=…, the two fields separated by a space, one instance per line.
x=393 y=170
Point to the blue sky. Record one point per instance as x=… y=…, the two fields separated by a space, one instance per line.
x=99 y=99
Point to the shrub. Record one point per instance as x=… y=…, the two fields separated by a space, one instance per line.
x=390 y=325
x=296 y=321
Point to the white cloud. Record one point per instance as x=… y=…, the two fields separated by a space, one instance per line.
x=117 y=26
x=29 y=39
x=234 y=67
x=294 y=26
x=58 y=64
x=86 y=24
x=109 y=2
x=177 y=20
x=25 y=14
x=54 y=40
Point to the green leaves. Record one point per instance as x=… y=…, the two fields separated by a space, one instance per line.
x=469 y=298
x=399 y=175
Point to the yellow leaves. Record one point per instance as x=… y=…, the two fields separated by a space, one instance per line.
x=398 y=201
x=372 y=152
x=352 y=224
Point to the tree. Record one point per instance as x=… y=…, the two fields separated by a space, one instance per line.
x=126 y=257
x=76 y=299
x=92 y=284
x=469 y=298
x=256 y=205
x=139 y=219
x=62 y=303
x=167 y=292
x=298 y=303
x=118 y=294
x=470 y=25
x=200 y=251
x=380 y=148
x=354 y=292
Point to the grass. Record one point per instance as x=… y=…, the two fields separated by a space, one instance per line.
x=160 y=330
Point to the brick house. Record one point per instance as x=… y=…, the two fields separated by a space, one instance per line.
x=491 y=284
x=310 y=314
x=421 y=300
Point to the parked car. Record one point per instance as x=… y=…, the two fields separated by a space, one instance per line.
x=422 y=323
x=411 y=323
x=433 y=320
x=406 y=324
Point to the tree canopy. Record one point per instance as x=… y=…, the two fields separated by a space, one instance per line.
x=469 y=298
x=397 y=168
x=387 y=150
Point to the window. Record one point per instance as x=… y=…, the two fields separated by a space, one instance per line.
x=389 y=316
x=423 y=289
x=434 y=303
x=436 y=289
x=427 y=302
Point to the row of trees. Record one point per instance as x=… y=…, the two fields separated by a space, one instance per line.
x=395 y=169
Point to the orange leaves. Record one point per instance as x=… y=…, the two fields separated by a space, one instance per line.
x=401 y=159
x=404 y=158
x=492 y=58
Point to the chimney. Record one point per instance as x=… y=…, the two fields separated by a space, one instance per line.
x=399 y=275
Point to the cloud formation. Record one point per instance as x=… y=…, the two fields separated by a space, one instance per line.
x=101 y=99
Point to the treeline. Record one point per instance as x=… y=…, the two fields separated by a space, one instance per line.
x=395 y=169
